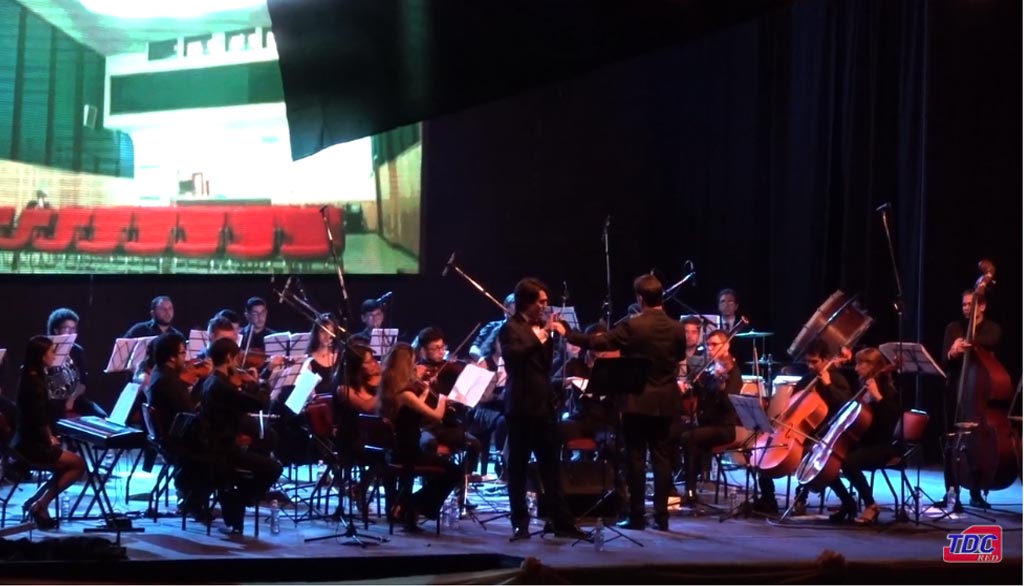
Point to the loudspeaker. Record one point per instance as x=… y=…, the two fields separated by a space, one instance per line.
x=583 y=483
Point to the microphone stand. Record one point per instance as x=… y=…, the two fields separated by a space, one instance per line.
x=451 y=265
x=897 y=305
x=608 y=274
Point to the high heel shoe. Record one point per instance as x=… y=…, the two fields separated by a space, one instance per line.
x=846 y=512
x=869 y=516
x=42 y=519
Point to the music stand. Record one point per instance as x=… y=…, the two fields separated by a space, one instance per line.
x=752 y=417
x=63 y=343
x=198 y=341
x=613 y=377
x=913 y=358
x=382 y=340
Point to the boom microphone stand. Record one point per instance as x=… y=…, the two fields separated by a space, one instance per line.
x=607 y=273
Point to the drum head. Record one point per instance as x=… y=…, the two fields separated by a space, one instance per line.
x=839 y=321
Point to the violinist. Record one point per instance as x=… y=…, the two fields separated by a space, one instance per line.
x=167 y=392
x=987 y=335
x=200 y=367
x=487 y=420
x=647 y=417
x=225 y=414
x=401 y=398
x=440 y=373
x=716 y=419
x=256 y=330
x=875 y=446
x=588 y=416
x=489 y=333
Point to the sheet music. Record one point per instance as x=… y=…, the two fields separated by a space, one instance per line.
x=287 y=344
x=568 y=315
x=139 y=351
x=63 y=342
x=304 y=386
x=123 y=407
x=382 y=340
x=915 y=358
x=198 y=340
x=578 y=382
x=285 y=376
x=471 y=385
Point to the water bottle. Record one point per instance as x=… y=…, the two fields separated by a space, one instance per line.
x=531 y=504
x=275 y=517
x=65 y=506
x=453 y=522
x=599 y=535
x=951 y=497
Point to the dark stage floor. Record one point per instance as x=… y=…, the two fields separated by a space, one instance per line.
x=701 y=546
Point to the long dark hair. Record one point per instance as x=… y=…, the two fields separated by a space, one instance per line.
x=354 y=358
x=324 y=321
x=37 y=348
x=396 y=376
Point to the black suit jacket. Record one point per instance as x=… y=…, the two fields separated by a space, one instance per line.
x=653 y=335
x=528 y=391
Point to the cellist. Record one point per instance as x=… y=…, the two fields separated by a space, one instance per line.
x=834 y=389
x=987 y=335
x=875 y=446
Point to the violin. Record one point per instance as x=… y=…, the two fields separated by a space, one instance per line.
x=243 y=376
x=196 y=370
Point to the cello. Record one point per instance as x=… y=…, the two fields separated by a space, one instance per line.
x=779 y=453
x=823 y=463
x=983 y=452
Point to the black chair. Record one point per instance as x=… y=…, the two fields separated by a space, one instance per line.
x=12 y=458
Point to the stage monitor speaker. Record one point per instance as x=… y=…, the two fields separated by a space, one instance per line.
x=583 y=486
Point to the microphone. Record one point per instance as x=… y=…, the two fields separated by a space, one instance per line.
x=565 y=291
x=608 y=221
x=448 y=265
x=691 y=275
x=284 y=291
x=884 y=207
x=384 y=298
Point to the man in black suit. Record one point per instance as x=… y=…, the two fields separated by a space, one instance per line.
x=527 y=348
x=647 y=417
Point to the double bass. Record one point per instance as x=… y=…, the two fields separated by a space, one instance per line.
x=983 y=453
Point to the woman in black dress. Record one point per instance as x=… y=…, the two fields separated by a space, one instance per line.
x=34 y=439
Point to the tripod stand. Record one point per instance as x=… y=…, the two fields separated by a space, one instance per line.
x=609 y=377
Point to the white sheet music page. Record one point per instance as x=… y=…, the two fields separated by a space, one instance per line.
x=198 y=340
x=470 y=385
x=63 y=342
x=304 y=386
x=139 y=351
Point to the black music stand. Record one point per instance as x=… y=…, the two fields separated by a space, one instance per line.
x=611 y=377
x=753 y=418
x=913 y=358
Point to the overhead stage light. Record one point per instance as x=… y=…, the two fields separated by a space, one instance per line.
x=141 y=9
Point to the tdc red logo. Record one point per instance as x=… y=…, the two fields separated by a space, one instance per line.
x=978 y=544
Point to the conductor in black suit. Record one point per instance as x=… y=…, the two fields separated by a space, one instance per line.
x=530 y=404
x=647 y=417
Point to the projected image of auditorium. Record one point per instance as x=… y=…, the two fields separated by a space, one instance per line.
x=152 y=137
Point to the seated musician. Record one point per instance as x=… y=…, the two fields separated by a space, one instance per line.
x=225 y=414
x=833 y=388
x=255 y=332
x=695 y=357
x=161 y=310
x=357 y=394
x=167 y=392
x=489 y=333
x=716 y=417
x=487 y=420
x=402 y=398
x=875 y=447
x=293 y=442
x=34 y=439
x=440 y=373
x=588 y=416
x=68 y=382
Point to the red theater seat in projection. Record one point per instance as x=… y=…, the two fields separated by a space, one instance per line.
x=6 y=220
x=251 y=232
x=304 y=234
x=199 y=231
x=153 y=230
x=28 y=222
x=109 y=230
x=70 y=224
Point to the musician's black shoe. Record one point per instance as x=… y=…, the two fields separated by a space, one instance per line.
x=659 y=524
x=636 y=524
x=570 y=531
x=766 y=505
x=520 y=533
x=978 y=501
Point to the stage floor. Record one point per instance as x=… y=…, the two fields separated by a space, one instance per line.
x=697 y=542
